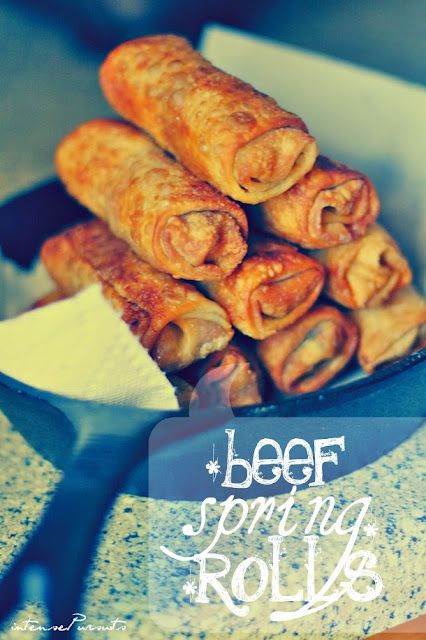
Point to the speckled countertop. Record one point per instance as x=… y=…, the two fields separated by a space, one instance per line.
x=131 y=579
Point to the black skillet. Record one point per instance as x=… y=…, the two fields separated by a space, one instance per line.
x=29 y=218
x=375 y=414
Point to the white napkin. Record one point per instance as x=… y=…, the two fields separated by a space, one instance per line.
x=79 y=347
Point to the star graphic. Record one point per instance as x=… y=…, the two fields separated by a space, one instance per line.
x=213 y=466
x=190 y=588
x=370 y=529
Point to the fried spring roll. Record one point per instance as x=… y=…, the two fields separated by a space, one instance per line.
x=54 y=296
x=330 y=205
x=364 y=272
x=391 y=331
x=232 y=374
x=183 y=390
x=175 y=322
x=274 y=286
x=219 y=127
x=307 y=355
x=177 y=223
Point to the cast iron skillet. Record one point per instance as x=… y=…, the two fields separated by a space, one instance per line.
x=398 y=390
x=374 y=414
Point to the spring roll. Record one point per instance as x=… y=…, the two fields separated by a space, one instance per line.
x=175 y=322
x=177 y=223
x=183 y=390
x=364 y=272
x=54 y=296
x=391 y=331
x=306 y=356
x=219 y=127
x=232 y=374
x=330 y=205
x=273 y=287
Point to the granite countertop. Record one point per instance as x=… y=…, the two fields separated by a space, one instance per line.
x=132 y=580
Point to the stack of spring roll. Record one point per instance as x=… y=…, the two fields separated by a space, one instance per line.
x=165 y=190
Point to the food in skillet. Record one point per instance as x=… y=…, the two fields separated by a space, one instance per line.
x=175 y=322
x=233 y=374
x=177 y=223
x=391 y=331
x=53 y=296
x=171 y=222
x=365 y=272
x=329 y=206
x=183 y=390
x=273 y=287
x=219 y=127
x=308 y=354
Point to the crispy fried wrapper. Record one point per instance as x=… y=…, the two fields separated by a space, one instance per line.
x=53 y=296
x=232 y=376
x=391 y=331
x=183 y=390
x=177 y=223
x=175 y=322
x=273 y=287
x=365 y=272
x=306 y=356
x=330 y=205
x=219 y=127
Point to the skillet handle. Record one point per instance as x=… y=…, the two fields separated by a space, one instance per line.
x=63 y=543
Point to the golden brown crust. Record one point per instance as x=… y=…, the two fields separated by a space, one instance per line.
x=391 y=331
x=177 y=223
x=365 y=272
x=54 y=296
x=329 y=206
x=183 y=390
x=171 y=319
x=273 y=287
x=306 y=356
x=219 y=127
x=232 y=376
